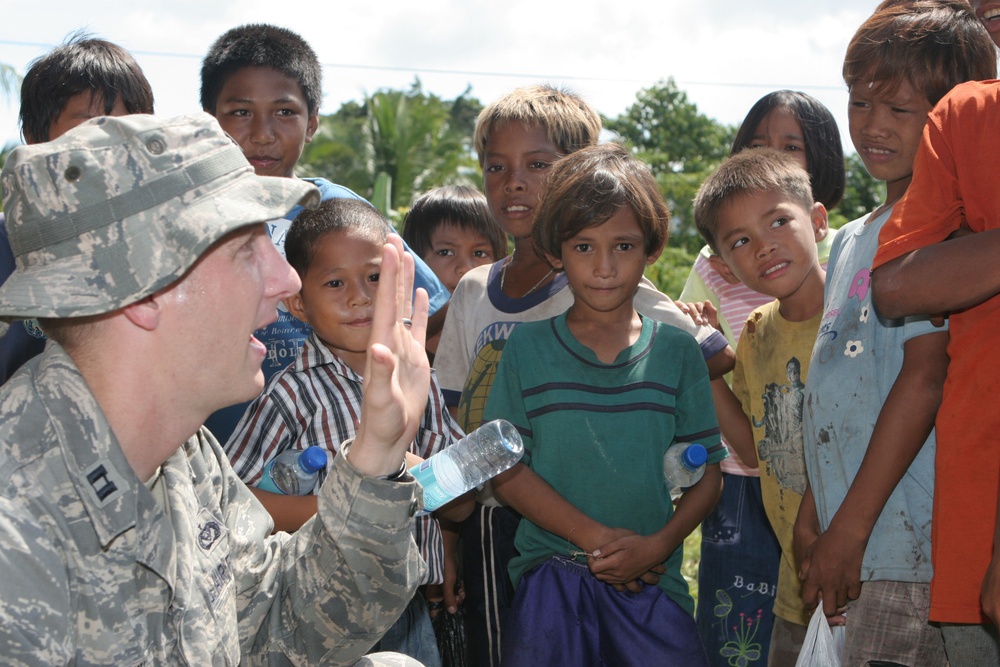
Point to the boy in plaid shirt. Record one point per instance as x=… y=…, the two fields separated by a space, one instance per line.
x=336 y=251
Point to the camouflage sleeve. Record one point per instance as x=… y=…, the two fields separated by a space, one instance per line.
x=35 y=628
x=327 y=593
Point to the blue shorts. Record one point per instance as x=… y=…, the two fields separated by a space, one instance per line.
x=562 y=615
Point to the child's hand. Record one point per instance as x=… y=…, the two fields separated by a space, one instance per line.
x=434 y=593
x=626 y=561
x=701 y=313
x=831 y=572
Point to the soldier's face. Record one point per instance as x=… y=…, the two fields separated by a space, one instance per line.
x=211 y=313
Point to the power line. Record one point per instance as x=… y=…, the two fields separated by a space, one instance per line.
x=478 y=73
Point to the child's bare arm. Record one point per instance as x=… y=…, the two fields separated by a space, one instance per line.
x=721 y=363
x=951 y=275
x=907 y=417
x=288 y=512
x=733 y=422
x=459 y=509
x=704 y=313
x=454 y=594
x=806 y=530
x=522 y=488
x=627 y=557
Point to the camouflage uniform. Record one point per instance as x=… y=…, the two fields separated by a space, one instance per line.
x=98 y=567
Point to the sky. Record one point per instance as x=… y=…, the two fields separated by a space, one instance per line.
x=724 y=54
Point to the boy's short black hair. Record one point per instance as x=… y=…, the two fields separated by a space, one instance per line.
x=457 y=205
x=746 y=173
x=332 y=215
x=588 y=187
x=261 y=45
x=933 y=44
x=81 y=64
x=824 y=151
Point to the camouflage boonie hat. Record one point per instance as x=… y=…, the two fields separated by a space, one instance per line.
x=118 y=208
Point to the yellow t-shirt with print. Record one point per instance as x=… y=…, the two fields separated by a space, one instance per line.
x=772 y=361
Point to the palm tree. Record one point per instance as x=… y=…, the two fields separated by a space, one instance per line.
x=10 y=84
x=10 y=81
x=394 y=145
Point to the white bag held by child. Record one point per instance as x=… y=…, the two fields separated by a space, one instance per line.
x=823 y=646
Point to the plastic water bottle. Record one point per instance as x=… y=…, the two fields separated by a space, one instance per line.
x=294 y=472
x=479 y=456
x=683 y=466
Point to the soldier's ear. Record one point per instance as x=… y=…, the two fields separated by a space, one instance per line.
x=144 y=313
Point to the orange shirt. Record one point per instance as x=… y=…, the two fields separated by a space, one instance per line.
x=956 y=182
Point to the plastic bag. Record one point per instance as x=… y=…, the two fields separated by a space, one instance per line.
x=823 y=645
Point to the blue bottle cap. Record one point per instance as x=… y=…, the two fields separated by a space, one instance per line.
x=695 y=456
x=313 y=459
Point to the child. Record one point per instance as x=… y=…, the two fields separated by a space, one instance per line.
x=263 y=84
x=738 y=569
x=875 y=384
x=599 y=393
x=758 y=215
x=986 y=11
x=517 y=139
x=336 y=250
x=953 y=192
x=84 y=78
x=452 y=230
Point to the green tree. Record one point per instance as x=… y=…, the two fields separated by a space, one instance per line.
x=681 y=145
x=670 y=271
x=862 y=193
x=396 y=144
x=10 y=82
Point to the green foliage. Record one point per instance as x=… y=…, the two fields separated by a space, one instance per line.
x=861 y=195
x=668 y=131
x=4 y=152
x=692 y=558
x=10 y=82
x=410 y=140
x=681 y=146
x=670 y=271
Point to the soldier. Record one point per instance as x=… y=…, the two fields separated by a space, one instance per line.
x=125 y=537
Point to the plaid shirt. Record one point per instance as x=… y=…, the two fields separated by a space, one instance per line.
x=317 y=401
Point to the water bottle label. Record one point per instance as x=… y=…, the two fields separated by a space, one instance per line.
x=441 y=479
